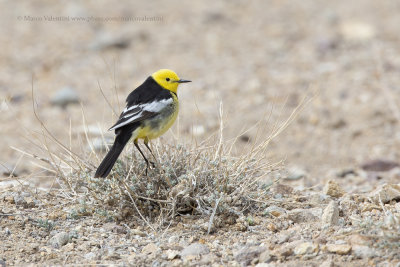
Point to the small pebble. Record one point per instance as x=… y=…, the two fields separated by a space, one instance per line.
x=65 y=97
x=59 y=240
x=195 y=249
x=306 y=248
x=332 y=189
x=330 y=216
x=341 y=249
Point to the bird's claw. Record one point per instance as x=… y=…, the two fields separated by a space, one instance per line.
x=148 y=163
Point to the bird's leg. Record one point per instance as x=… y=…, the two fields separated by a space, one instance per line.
x=146 y=143
x=145 y=159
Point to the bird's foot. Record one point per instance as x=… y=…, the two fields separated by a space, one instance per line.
x=148 y=163
x=153 y=165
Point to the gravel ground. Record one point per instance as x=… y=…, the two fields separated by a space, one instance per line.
x=260 y=58
x=308 y=227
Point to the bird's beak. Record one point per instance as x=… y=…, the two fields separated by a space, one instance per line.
x=183 y=81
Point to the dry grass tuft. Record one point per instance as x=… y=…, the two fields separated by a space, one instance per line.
x=203 y=180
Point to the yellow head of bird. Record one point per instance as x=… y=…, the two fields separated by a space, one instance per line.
x=168 y=79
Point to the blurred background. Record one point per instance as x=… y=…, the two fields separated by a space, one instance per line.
x=260 y=58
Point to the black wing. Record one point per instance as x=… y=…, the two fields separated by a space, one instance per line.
x=144 y=102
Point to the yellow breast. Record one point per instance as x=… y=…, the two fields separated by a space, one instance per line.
x=158 y=125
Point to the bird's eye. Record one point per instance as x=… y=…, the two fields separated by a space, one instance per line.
x=167 y=79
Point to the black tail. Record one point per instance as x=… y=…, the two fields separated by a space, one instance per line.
x=108 y=162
